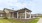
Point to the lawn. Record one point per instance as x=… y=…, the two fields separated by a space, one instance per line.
x=18 y=21
x=33 y=21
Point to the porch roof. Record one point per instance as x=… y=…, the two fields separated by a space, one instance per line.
x=22 y=10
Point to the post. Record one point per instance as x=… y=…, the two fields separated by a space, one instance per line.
x=25 y=14
x=30 y=14
x=17 y=15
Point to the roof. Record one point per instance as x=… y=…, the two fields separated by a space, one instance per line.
x=21 y=10
x=25 y=9
x=1 y=11
x=10 y=10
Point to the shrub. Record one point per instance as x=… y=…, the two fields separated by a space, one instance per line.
x=5 y=18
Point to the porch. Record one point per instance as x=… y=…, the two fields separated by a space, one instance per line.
x=23 y=14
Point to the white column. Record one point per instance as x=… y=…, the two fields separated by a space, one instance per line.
x=30 y=14
x=25 y=14
x=17 y=14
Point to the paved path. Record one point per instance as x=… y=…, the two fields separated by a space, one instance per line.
x=40 y=20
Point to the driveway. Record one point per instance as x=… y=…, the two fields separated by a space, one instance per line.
x=40 y=20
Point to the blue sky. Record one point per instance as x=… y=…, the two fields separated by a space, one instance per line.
x=34 y=5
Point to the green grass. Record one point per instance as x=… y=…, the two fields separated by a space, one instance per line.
x=33 y=21
x=17 y=21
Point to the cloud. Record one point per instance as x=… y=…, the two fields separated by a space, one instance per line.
x=36 y=6
x=20 y=4
x=17 y=4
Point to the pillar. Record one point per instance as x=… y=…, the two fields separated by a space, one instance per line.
x=17 y=14
x=25 y=14
x=30 y=14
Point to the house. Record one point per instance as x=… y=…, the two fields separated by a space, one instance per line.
x=19 y=14
x=36 y=15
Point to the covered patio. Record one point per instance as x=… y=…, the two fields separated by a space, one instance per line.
x=24 y=14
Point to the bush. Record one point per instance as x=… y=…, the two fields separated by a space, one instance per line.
x=5 y=18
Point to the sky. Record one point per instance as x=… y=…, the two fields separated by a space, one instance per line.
x=34 y=5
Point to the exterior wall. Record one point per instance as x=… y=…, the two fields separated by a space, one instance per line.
x=10 y=15
x=7 y=15
x=2 y=15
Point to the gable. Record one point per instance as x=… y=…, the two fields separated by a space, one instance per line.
x=8 y=10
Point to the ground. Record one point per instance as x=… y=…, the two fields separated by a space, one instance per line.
x=18 y=21
x=40 y=20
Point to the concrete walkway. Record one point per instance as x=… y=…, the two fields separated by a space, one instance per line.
x=40 y=20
